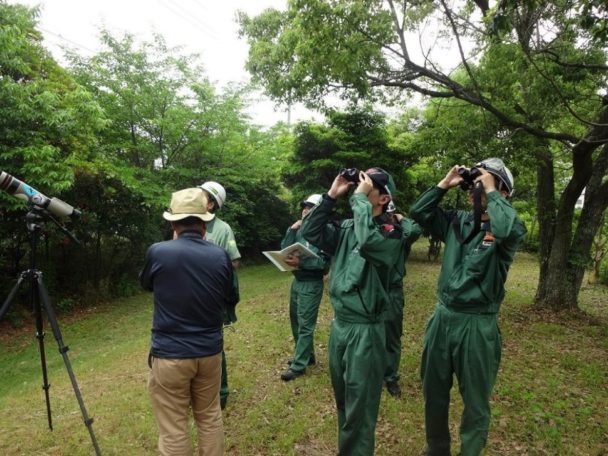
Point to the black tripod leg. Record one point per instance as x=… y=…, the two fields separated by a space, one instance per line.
x=44 y=297
x=11 y=296
x=40 y=336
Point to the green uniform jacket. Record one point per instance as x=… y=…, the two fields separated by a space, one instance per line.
x=472 y=275
x=411 y=232
x=309 y=268
x=363 y=255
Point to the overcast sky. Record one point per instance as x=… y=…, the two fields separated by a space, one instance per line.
x=206 y=27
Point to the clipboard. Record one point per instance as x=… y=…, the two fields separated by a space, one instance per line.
x=277 y=257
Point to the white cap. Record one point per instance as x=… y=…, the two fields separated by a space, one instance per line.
x=312 y=200
x=497 y=167
x=216 y=191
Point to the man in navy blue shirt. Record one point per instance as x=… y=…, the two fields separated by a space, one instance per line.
x=192 y=283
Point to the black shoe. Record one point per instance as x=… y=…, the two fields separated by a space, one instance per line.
x=311 y=362
x=290 y=375
x=393 y=388
x=223 y=402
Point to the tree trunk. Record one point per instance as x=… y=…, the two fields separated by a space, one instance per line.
x=97 y=268
x=569 y=255
x=545 y=208
x=556 y=286
x=559 y=281
x=592 y=216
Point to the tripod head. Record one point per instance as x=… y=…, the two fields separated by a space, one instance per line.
x=36 y=217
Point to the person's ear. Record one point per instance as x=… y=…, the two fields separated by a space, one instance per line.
x=384 y=199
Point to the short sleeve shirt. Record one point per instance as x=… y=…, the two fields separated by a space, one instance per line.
x=220 y=233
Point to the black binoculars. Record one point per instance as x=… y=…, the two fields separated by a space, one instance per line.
x=468 y=177
x=350 y=174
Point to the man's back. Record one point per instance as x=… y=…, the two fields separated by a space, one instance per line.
x=191 y=280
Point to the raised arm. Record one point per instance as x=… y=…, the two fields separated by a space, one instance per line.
x=317 y=229
x=377 y=243
x=425 y=209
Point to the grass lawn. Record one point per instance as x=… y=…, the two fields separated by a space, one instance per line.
x=551 y=397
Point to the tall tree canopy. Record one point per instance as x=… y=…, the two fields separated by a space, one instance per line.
x=48 y=126
x=538 y=68
x=114 y=134
x=170 y=129
x=355 y=138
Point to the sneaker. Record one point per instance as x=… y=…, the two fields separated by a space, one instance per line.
x=393 y=388
x=290 y=375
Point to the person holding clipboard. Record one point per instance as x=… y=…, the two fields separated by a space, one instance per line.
x=305 y=295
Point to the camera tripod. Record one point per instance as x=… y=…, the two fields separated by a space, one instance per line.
x=39 y=298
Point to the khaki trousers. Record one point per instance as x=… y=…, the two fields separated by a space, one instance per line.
x=174 y=386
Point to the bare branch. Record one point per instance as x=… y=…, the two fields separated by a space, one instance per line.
x=455 y=90
x=484 y=6
x=554 y=57
x=399 y=28
x=462 y=56
x=469 y=23
x=558 y=92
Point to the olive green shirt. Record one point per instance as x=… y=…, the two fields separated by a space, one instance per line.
x=220 y=233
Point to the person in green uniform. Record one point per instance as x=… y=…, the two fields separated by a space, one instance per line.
x=220 y=233
x=394 y=319
x=305 y=295
x=364 y=250
x=462 y=336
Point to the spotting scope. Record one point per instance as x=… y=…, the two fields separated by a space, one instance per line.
x=23 y=191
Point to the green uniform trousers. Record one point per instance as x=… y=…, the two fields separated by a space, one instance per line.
x=304 y=304
x=356 y=364
x=469 y=346
x=229 y=318
x=224 y=390
x=394 y=331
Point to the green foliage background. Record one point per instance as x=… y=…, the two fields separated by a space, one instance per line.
x=116 y=132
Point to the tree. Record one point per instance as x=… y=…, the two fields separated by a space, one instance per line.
x=48 y=126
x=170 y=129
x=543 y=86
x=355 y=138
x=146 y=90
